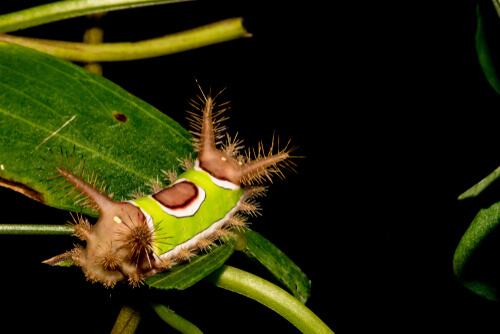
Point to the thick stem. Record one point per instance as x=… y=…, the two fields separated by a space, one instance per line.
x=23 y=229
x=270 y=295
x=221 y=31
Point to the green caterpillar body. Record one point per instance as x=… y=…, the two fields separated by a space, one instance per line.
x=205 y=210
x=138 y=238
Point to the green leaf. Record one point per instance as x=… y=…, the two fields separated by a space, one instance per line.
x=282 y=268
x=481 y=185
x=127 y=321
x=468 y=254
x=185 y=275
x=61 y=10
x=174 y=320
x=488 y=29
x=48 y=102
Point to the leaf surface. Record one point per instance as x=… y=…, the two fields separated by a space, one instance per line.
x=48 y=102
x=185 y=275
x=278 y=264
x=474 y=263
x=488 y=28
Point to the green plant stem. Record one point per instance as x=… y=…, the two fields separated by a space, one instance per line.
x=175 y=320
x=127 y=321
x=270 y=295
x=25 y=229
x=61 y=10
x=209 y=34
x=481 y=185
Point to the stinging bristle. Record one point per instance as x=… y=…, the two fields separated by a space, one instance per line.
x=136 y=279
x=138 y=194
x=166 y=263
x=238 y=222
x=139 y=240
x=222 y=234
x=255 y=192
x=170 y=175
x=186 y=163
x=81 y=225
x=109 y=284
x=250 y=208
x=185 y=254
x=232 y=146
x=91 y=276
x=205 y=244
x=109 y=259
x=77 y=254
x=155 y=184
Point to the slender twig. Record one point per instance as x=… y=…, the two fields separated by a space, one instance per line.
x=270 y=295
x=127 y=321
x=209 y=34
x=175 y=320
x=61 y=10
x=25 y=229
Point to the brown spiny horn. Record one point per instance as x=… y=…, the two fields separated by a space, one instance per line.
x=257 y=167
x=207 y=137
x=99 y=200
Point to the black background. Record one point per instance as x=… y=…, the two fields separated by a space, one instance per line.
x=395 y=119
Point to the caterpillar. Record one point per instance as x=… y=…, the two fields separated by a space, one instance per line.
x=136 y=239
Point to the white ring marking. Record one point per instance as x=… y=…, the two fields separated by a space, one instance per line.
x=218 y=182
x=189 y=210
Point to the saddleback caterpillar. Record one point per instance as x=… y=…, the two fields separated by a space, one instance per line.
x=136 y=239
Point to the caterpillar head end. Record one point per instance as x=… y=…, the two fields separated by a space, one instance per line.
x=119 y=246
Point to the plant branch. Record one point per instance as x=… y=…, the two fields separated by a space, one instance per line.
x=270 y=295
x=174 y=320
x=61 y=10
x=25 y=229
x=209 y=34
x=127 y=321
